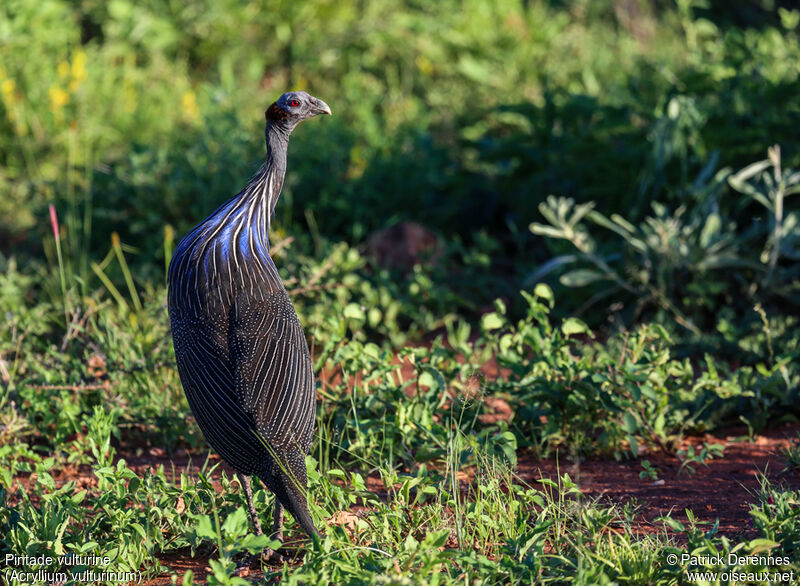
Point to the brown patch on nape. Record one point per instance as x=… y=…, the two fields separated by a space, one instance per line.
x=275 y=112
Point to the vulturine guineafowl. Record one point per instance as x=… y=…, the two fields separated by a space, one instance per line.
x=241 y=352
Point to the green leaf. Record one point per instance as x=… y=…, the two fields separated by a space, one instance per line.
x=629 y=423
x=410 y=544
x=257 y=543
x=505 y=343
x=580 y=277
x=491 y=321
x=139 y=529
x=353 y=311
x=572 y=325
x=426 y=379
x=436 y=539
x=759 y=545
x=550 y=266
x=47 y=481
x=542 y=230
x=543 y=291
x=224 y=575
x=205 y=528
x=749 y=171
x=436 y=377
x=236 y=523
x=710 y=229
x=372 y=350
x=473 y=69
x=374 y=316
x=188 y=578
x=634 y=445
x=58 y=546
x=658 y=426
x=673 y=524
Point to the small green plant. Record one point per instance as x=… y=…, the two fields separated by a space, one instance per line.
x=776 y=516
x=690 y=457
x=233 y=537
x=649 y=472
x=770 y=185
x=791 y=455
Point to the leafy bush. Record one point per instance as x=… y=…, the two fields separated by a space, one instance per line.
x=685 y=263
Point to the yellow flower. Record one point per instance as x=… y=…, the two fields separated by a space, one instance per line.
x=58 y=99
x=7 y=88
x=79 y=67
x=63 y=69
x=189 y=105
x=424 y=65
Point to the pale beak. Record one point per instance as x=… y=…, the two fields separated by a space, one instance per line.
x=320 y=107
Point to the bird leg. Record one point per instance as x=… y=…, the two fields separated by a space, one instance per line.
x=248 y=492
x=248 y=559
x=277 y=521
x=271 y=555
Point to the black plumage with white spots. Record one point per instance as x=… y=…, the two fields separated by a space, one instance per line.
x=241 y=352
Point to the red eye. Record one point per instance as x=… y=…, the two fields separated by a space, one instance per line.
x=294 y=103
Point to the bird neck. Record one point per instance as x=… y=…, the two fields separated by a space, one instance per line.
x=277 y=144
x=265 y=187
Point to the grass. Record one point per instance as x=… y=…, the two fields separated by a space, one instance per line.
x=612 y=193
x=430 y=520
x=509 y=532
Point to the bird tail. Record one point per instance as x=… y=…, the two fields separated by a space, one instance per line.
x=286 y=477
x=288 y=484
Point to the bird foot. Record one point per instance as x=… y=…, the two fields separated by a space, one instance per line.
x=268 y=556
x=272 y=557
x=247 y=561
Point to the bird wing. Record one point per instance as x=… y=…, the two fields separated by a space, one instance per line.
x=208 y=379
x=272 y=369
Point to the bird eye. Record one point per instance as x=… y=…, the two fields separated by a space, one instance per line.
x=294 y=103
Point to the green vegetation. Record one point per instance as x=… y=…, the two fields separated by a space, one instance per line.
x=614 y=189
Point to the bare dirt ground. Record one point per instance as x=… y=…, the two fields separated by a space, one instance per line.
x=721 y=492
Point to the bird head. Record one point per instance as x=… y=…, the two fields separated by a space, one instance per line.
x=294 y=107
